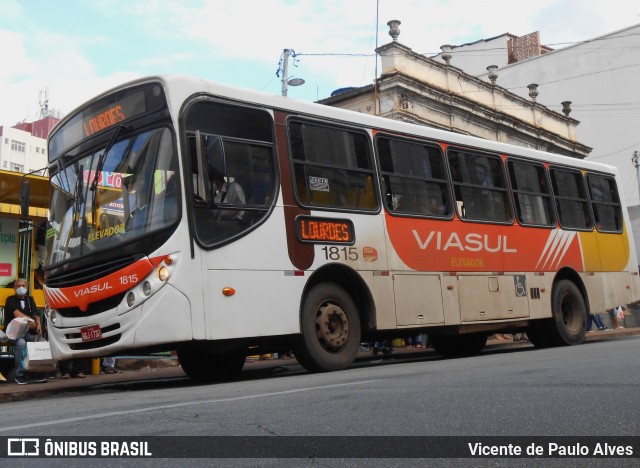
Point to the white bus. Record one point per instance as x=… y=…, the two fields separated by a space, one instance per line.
x=194 y=216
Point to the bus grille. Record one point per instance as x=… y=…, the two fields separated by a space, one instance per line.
x=95 y=344
x=94 y=308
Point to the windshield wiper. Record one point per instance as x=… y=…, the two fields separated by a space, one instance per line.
x=101 y=160
x=103 y=157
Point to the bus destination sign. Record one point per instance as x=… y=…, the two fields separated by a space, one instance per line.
x=325 y=230
x=104 y=120
x=106 y=113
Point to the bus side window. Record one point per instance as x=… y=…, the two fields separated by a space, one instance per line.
x=233 y=144
x=332 y=166
x=605 y=202
x=480 y=186
x=531 y=193
x=414 y=177
x=571 y=199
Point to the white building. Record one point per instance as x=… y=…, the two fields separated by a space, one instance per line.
x=598 y=76
x=23 y=147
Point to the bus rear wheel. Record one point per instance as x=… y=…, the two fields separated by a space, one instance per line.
x=458 y=345
x=205 y=367
x=568 y=324
x=330 y=329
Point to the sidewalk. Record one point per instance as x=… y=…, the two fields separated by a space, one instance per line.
x=142 y=370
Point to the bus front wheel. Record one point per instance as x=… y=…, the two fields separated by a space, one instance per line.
x=205 y=367
x=330 y=329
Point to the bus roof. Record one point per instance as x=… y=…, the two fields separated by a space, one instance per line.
x=181 y=87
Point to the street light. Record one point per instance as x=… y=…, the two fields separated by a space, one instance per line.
x=286 y=81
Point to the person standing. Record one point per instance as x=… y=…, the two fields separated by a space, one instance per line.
x=23 y=305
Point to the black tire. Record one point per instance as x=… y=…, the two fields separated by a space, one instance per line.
x=330 y=328
x=568 y=324
x=569 y=314
x=204 y=367
x=538 y=333
x=458 y=345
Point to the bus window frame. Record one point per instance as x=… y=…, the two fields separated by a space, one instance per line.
x=189 y=171
x=587 y=199
x=617 y=204
x=373 y=171
x=445 y=169
x=507 y=187
x=532 y=162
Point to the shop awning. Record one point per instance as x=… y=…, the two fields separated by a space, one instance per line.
x=10 y=184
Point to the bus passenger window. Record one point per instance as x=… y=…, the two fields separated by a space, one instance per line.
x=571 y=199
x=605 y=202
x=531 y=193
x=332 y=167
x=235 y=154
x=414 y=177
x=480 y=186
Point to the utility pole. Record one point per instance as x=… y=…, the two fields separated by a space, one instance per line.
x=283 y=68
x=285 y=71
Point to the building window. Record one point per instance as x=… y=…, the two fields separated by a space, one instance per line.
x=18 y=146
x=17 y=167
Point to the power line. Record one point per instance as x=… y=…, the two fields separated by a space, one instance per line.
x=635 y=145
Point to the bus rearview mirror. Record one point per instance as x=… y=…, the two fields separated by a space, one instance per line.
x=25 y=191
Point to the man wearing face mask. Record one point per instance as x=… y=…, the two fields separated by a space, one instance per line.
x=23 y=305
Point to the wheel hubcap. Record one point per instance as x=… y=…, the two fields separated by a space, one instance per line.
x=332 y=326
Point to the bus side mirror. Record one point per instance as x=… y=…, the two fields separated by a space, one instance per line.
x=24 y=199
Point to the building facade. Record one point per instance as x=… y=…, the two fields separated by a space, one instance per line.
x=597 y=77
x=23 y=147
x=418 y=89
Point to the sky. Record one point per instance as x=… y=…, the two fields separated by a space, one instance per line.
x=76 y=49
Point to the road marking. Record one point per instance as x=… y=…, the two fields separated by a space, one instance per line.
x=175 y=405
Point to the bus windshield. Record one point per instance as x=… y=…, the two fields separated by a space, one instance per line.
x=119 y=192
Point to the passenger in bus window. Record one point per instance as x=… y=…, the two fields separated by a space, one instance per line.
x=228 y=192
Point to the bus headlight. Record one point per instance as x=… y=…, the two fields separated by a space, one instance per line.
x=163 y=273
x=131 y=298
x=53 y=316
x=146 y=288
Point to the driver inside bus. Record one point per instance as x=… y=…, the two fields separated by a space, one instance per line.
x=227 y=192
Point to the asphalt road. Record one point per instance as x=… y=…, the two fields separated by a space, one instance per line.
x=587 y=390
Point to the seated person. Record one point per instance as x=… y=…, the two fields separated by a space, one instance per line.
x=228 y=193
x=3 y=339
x=23 y=305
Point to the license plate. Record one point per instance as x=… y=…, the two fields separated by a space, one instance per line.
x=91 y=333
